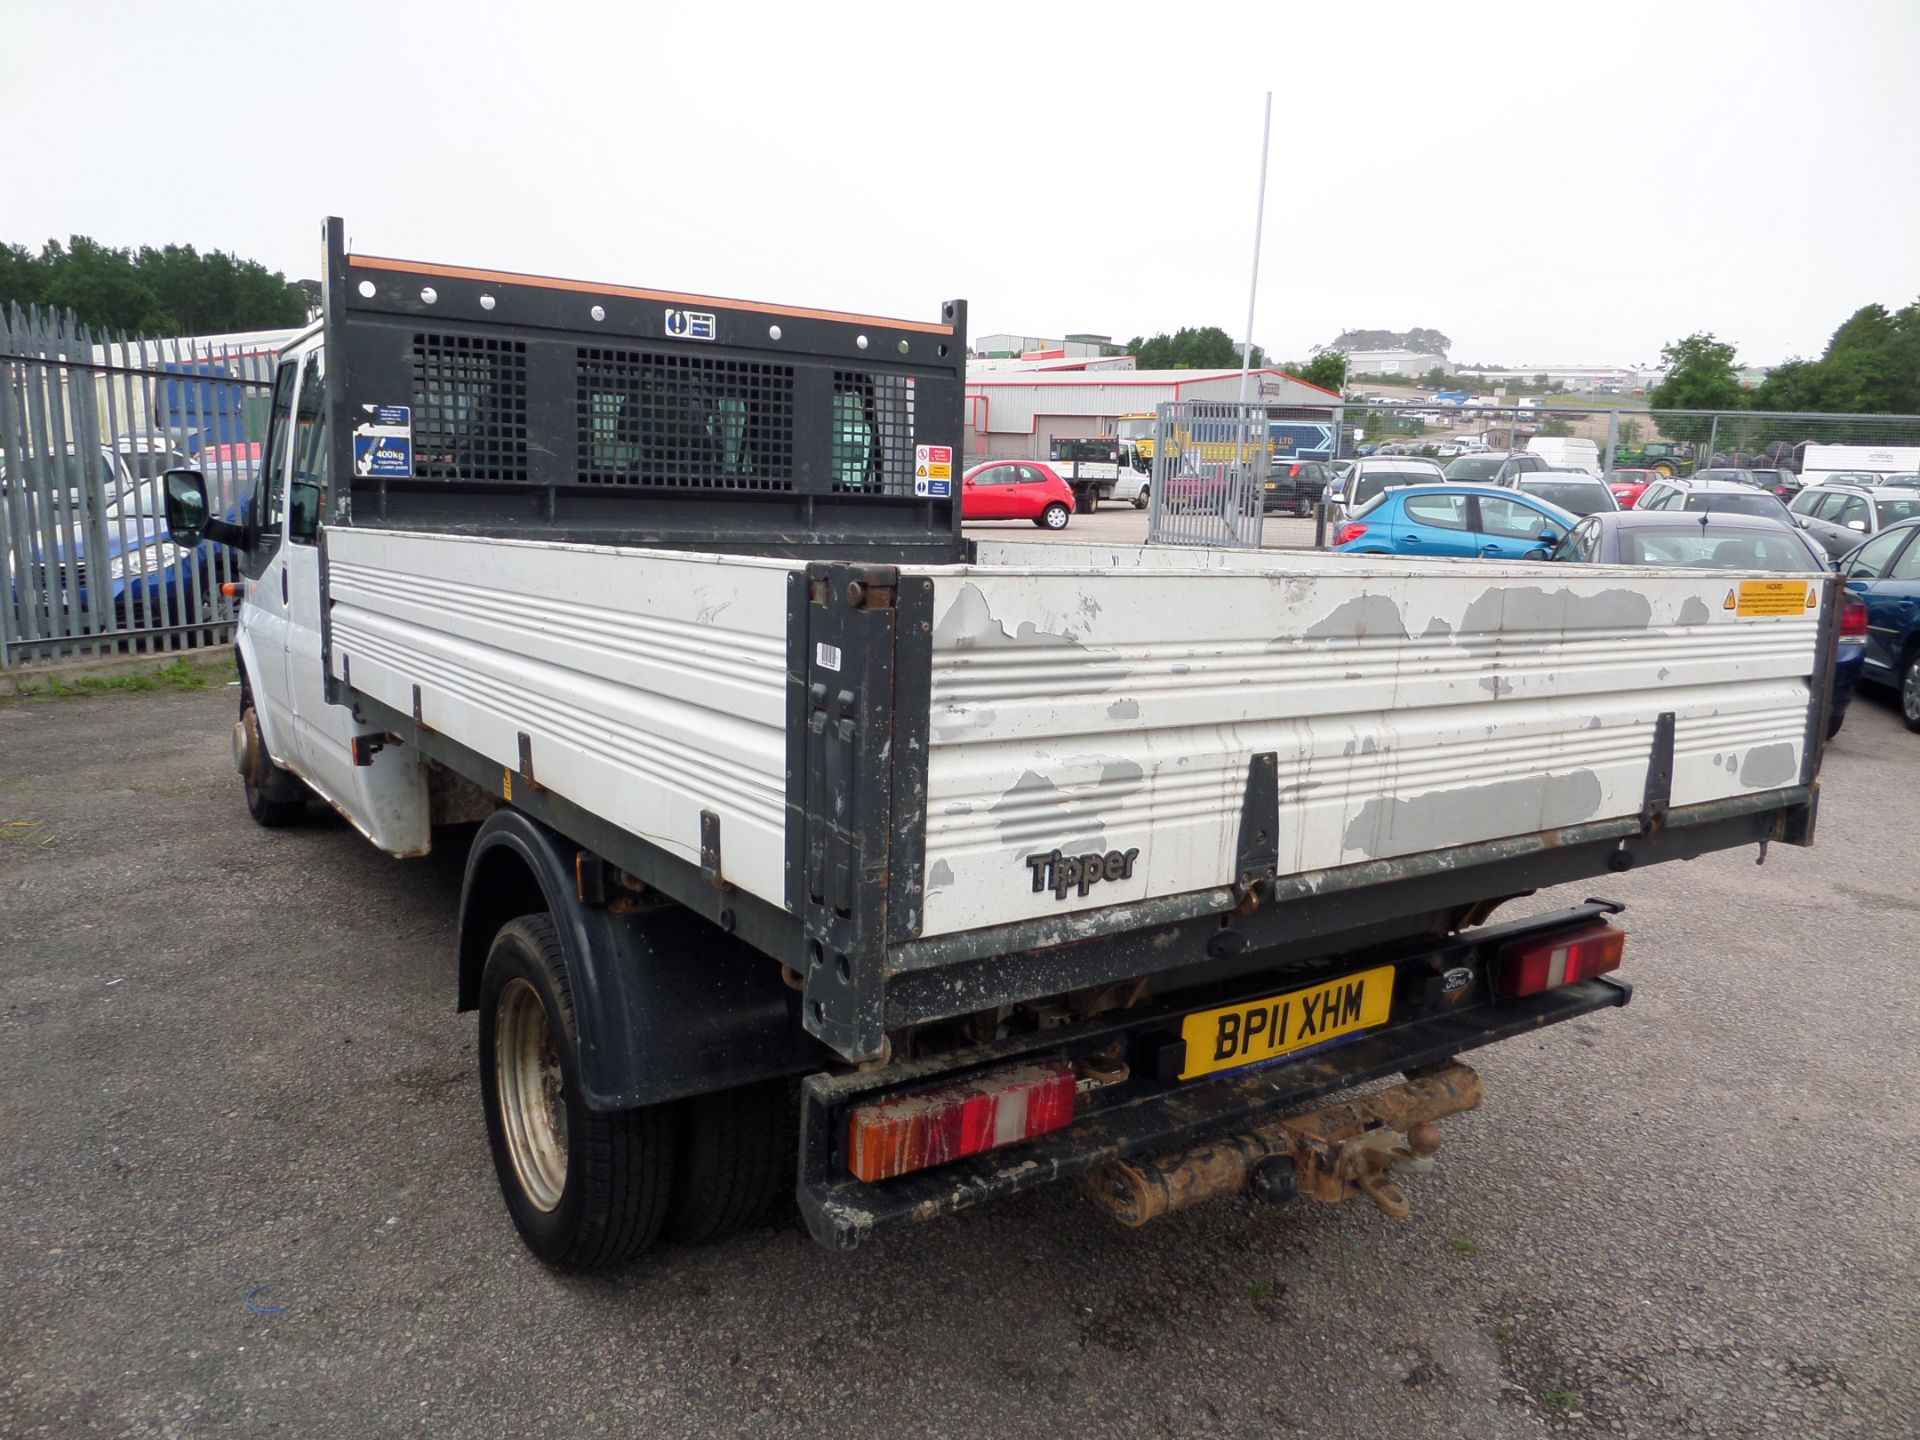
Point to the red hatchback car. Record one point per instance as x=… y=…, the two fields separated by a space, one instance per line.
x=1016 y=490
x=1626 y=485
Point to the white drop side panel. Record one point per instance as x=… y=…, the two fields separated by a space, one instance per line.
x=651 y=684
x=1112 y=702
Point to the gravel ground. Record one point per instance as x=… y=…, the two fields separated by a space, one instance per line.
x=247 y=1190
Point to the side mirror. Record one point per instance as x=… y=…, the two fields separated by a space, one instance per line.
x=1548 y=537
x=1859 y=525
x=186 y=507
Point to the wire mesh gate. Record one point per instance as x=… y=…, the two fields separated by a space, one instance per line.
x=88 y=426
x=1210 y=466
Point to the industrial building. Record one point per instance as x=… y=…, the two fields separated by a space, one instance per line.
x=1411 y=363
x=1039 y=347
x=1018 y=414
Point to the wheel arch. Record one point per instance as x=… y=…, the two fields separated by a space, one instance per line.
x=668 y=1005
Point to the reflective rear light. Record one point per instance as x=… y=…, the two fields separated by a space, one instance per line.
x=1348 y=532
x=1529 y=966
x=1853 y=618
x=910 y=1132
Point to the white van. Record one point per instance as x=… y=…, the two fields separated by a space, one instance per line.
x=1565 y=452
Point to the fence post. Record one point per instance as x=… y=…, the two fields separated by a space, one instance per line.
x=1613 y=438
x=1713 y=440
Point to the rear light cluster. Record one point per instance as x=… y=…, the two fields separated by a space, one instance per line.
x=1348 y=532
x=930 y=1127
x=1529 y=966
x=1853 y=618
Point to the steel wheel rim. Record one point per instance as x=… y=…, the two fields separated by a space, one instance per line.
x=1910 y=691
x=533 y=1110
x=1056 y=519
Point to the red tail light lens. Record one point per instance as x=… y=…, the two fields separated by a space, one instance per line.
x=1348 y=532
x=1853 y=618
x=930 y=1127
x=1529 y=966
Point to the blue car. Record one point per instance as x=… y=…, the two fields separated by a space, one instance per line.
x=1446 y=519
x=1884 y=573
x=144 y=577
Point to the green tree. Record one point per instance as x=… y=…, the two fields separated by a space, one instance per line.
x=1555 y=425
x=1700 y=376
x=1328 y=370
x=1871 y=366
x=174 y=289
x=1205 y=348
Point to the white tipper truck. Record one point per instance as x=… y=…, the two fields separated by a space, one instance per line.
x=823 y=852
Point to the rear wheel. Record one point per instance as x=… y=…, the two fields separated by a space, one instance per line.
x=736 y=1160
x=1910 y=692
x=1054 y=517
x=585 y=1189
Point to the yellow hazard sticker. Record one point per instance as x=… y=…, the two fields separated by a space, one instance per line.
x=1775 y=597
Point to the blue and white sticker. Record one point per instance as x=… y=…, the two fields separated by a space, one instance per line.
x=933 y=489
x=383 y=441
x=690 y=324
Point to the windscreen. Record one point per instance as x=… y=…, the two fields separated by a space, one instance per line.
x=1374 y=481
x=1701 y=546
x=1760 y=502
x=1581 y=497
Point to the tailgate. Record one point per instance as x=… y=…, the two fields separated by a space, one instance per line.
x=1100 y=719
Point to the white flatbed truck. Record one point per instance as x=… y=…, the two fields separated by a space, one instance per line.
x=821 y=851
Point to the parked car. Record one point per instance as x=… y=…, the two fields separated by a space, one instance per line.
x=1840 y=516
x=1735 y=474
x=1377 y=473
x=1722 y=540
x=1574 y=491
x=1016 y=490
x=1451 y=519
x=1295 y=484
x=1908 y=482
x=1783 y=483
x=1885 y=574
x=1495 y=467
x=1627 y=485
x=1698 y=492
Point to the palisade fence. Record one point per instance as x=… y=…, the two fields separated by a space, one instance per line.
x=1210 y=467
x=88 y=425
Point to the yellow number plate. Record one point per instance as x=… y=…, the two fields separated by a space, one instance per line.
x=1776 y=597
x=1259 y=1030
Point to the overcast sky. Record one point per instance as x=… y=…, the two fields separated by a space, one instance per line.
x=1547 y=184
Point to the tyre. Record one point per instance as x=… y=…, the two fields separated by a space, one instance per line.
x=280 y=808
x=736 y=1160
x=1141 y=500
x=1054 y=517
x=585 y=1189
x=1910 y=692
x=1834 y=722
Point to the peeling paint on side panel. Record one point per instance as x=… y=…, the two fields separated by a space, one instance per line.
x=1528 y=607
x=1441 y=818
x=1769 y=765
x=1363 y=617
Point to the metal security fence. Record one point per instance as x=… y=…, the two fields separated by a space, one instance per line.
x=88 y=425
x=1210 y=466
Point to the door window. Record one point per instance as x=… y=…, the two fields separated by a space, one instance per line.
x=1444 y=512
x=1870 y=562
x=1511 y=520
x=309 y=453
x=997 y=475
x=1907 y=567
x=1805 y=502
x=1030 y=476
x=1852 y=510
x=270 y=485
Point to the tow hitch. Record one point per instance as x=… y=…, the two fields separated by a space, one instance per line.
x=1330 y=1154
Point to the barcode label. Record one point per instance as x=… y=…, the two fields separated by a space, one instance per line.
x=827 y=657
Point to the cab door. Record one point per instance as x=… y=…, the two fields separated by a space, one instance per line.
x=263 y=637
x=324 y=733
